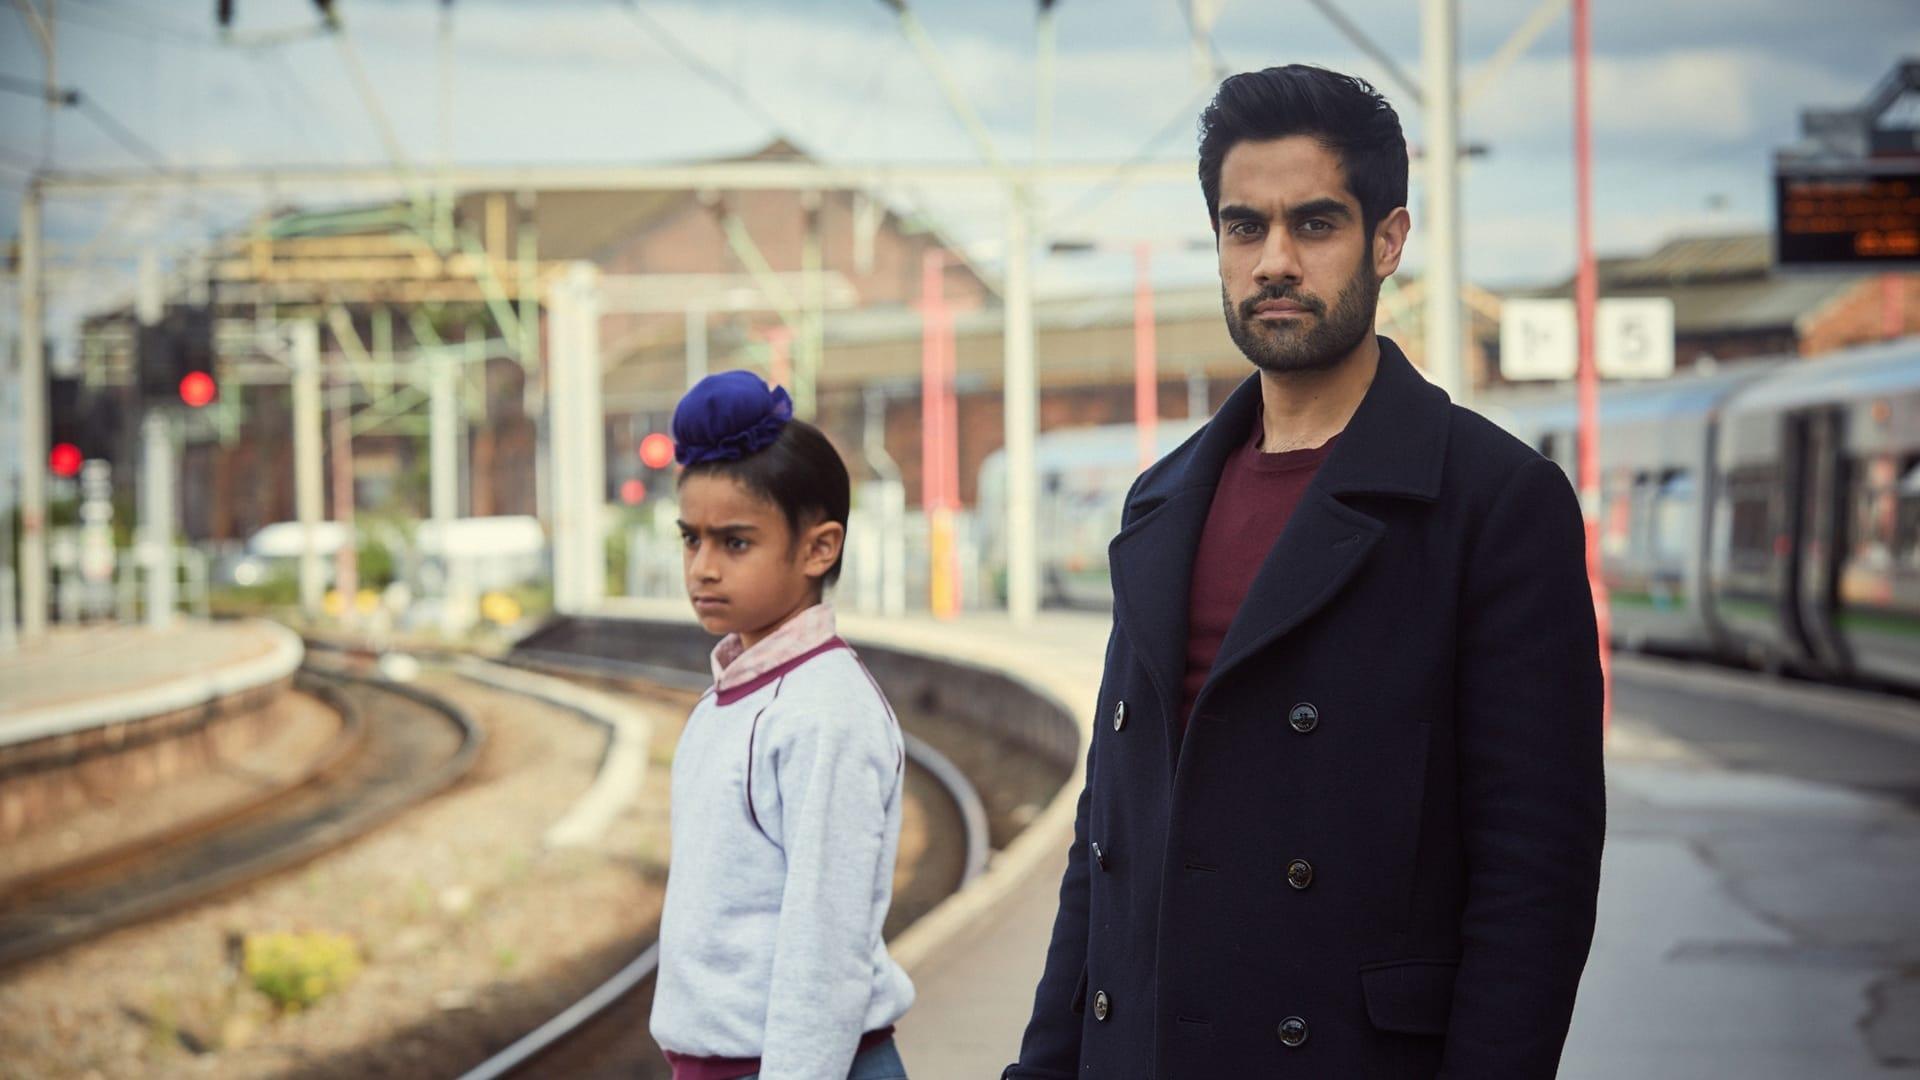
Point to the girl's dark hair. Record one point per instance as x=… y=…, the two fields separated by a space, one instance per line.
x=1346 y=114
x=801 y=473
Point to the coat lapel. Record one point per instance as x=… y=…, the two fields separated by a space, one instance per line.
x=1323 y=544
x=1152 y=556
x=1394 y=447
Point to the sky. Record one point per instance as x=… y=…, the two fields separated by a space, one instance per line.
x=1690 y=99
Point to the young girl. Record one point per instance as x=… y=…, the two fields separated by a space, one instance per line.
x=786 y=782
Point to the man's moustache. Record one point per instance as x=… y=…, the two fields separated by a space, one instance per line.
x=1312 y=305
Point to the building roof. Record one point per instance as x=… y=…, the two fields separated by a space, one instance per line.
x=1718 y=283
x=583 y=224
x=1693 y=258
x=571 y=224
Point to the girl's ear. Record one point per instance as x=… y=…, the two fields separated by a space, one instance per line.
x=820 y=548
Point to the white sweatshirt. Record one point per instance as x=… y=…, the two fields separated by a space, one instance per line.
x=786 y=824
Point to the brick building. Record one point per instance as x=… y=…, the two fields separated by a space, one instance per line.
x=386 y=280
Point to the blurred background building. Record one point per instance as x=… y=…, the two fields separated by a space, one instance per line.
x=431 y=292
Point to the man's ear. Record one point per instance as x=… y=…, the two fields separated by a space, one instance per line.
x=820 y=548
x=1390 y=242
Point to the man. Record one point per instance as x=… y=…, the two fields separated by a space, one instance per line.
x=1344 y=801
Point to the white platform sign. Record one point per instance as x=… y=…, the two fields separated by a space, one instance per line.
x=1633 y=339
x=1538 y=339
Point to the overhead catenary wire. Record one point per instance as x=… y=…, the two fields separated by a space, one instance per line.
x=694 y=63
x=120 y=133
x=1106 y=189
x=1215 y=57
x=304 y=98
x=68 y=97
x=370 y=100
x=877 y=84
x=738 y=93
x=33 y=88
x=1367 y=45
x=957 y=102
x=296 y=123
x=1182 y=116
x=137 y=26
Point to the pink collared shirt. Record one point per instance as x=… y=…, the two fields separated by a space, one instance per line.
x=735 y=665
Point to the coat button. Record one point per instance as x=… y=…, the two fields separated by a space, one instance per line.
x=1120 y=717
x=1293 y=1031
x=1299 y=873
x=1102 y=1007
x=1304 y=717
x=1099 y=856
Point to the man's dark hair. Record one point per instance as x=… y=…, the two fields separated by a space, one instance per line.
x=801 y=473
x=1346 y=114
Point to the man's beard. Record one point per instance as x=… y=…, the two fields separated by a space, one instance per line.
x=1332 y=336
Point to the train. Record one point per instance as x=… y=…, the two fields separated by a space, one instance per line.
x=1765 y=513
x=1084 y=475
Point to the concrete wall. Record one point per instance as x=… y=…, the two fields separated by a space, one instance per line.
x=46 y=779
x=983 y=699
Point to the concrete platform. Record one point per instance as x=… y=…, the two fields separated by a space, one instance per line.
x=94 y=677
x=1756 y=913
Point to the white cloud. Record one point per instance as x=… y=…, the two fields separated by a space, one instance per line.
x=1688 y=100
x=1720 y=94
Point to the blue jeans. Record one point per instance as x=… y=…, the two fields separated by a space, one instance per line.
x=880 y=1063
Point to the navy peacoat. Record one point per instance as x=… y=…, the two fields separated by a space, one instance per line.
x=1376 y=852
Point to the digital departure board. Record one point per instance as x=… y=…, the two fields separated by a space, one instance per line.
x=1852 y=220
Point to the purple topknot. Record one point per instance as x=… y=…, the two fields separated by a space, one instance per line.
x=728 y=416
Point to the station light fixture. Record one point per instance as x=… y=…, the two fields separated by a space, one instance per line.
x=64 y=460
x=656 y=451
x=79 y=426
x=197 y=389
x=175 y=357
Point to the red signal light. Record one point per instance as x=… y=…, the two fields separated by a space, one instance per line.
x=64 y=459
x=633 y=492
x=197 y=389
x=656 y=451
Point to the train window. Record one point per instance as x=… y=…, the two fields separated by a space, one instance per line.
x=1906 y=528
x=1646 y=505
x=1751 y=493
x=1871 y=492
x=1616 y=511
x=1674 y=518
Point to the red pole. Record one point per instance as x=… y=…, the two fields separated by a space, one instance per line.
x=930 y=381
x=949 y=411
x=1586 y=298
x=939 y=451
x=779 y=356
x=1146 y=367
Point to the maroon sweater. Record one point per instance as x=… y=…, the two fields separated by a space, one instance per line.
x=1256 y=495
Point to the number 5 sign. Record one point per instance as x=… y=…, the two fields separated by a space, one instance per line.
x=1633 y=339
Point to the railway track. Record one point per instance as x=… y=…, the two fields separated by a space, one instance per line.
x=604 y=1032
x=398 y=747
